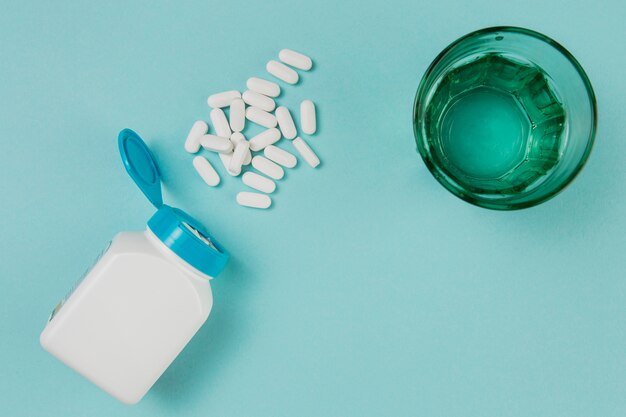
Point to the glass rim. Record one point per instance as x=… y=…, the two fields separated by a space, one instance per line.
x=494 y=204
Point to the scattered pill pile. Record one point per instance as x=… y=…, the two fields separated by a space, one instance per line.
x=256 y=105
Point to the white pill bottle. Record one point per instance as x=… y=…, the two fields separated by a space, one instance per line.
x=144 y=298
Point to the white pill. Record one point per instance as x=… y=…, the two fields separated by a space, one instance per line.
x=282 y=72
x=220 y=123
x=216 y=144
x=237 y=115
x=261 y=86
x=263 y=139
x=280 y=156
x=260 y=117
x=308 y=120
x=285 y=122
x=237 y=137
x=258 y=182
x=252 y=98
x=223 y=99
x=268 y=167
x=192 y=143
x=295 y=59
x=254 y=200
x=306 y=152
x=206 y=171
x=226 y=157
x=238 y=156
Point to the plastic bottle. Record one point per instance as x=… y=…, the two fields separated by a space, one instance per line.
x=144 y=298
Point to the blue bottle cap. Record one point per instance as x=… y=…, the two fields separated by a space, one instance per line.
x=180 y=232
x=140 y=165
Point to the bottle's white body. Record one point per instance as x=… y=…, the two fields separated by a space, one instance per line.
x=130 y=316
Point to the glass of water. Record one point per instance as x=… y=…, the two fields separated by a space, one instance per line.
x=505 y=118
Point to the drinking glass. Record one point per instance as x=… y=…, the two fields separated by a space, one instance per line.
x=505 y=118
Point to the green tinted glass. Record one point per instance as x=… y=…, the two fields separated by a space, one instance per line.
x=505 y=118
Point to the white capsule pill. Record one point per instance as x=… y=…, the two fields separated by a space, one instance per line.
x=236 y=160
x=216 y=144
x=258 y=182
x=236 y=138
x=282 y=72
x=263 y=139
x=308 y=120
x=226 y=157
x=223 y=99
x=220 y=123
x=285 y=122
x=252 y=98
x=206 y=171
x=268 y=167
x=280 y=156
x=306 y=152
x=261 y=86
x=254 y=200
x=237 y=115
x=260 y=117
x=295 y=59
x=192 y=143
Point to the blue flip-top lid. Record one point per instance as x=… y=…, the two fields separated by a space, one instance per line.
x=140 y=165
x=180 y=232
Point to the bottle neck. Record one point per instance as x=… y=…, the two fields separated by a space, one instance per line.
x=171 y=255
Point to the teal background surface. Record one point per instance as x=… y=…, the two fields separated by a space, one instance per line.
x=367 y=290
